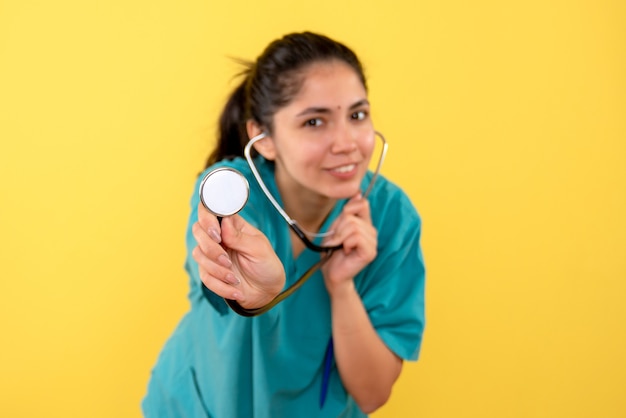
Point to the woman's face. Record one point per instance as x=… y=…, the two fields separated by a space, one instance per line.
x=324 y=138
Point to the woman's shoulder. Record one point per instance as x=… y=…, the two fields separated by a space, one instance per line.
x=238 y=163
x=388 y=198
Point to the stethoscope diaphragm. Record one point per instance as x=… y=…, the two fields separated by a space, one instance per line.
x=224 y=191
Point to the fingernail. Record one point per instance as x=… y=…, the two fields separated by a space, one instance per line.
x=224 y=260
x=214 y=235
x=230 y=278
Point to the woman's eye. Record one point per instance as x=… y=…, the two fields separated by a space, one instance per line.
x=360 y=115
x=313 y=122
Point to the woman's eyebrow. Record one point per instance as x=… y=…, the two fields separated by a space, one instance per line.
x=314 y=110
x=360 y=103
x=324 y=110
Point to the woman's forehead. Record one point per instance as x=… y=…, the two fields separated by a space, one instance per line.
x=329 y=84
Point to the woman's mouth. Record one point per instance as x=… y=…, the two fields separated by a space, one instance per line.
x=344 y=172
x=344 y=169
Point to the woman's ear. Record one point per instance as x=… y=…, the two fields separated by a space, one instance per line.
x=264 y=146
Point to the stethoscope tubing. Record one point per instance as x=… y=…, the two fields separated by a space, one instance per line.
x=292 y=223
x=327 y=252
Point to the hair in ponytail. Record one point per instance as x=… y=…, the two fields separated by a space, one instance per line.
x=271 y=83
x=232 y=125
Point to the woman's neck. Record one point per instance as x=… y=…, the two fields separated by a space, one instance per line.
x=307 y=208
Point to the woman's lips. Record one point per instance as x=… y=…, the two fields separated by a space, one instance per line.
x=344 y=171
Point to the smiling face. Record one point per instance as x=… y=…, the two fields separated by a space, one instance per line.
x=323 y=139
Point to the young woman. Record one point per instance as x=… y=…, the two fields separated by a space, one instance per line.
x=336 y=346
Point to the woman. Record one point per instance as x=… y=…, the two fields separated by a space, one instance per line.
x=336 y=346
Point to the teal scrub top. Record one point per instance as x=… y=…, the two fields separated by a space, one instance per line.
x=222 y=365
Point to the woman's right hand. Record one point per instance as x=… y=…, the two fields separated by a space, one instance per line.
x=236 y=261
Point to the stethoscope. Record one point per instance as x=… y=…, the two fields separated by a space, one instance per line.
x=225 y=191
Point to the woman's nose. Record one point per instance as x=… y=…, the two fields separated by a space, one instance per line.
x=344 y=139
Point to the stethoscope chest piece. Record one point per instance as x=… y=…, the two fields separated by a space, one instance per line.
x=224 y=191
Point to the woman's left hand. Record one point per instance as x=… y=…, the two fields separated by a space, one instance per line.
x=354 y=229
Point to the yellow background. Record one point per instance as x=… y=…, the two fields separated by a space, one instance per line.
x=507 y=127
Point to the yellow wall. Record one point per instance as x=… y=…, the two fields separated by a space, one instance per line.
x=507 y=127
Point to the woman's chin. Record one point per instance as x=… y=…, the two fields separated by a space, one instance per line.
x=345 y=193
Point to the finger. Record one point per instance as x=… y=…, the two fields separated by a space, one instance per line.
x=221 y=289
x=209 y=247
x=209 y=223
x=210 y=270
x=357 y=206
x=349 y=225
x=364 y=244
